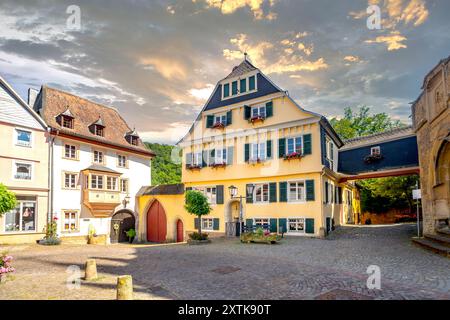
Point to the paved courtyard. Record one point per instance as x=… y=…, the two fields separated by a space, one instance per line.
x=299 y=268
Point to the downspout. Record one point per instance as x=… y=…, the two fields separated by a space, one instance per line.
x=51 y=175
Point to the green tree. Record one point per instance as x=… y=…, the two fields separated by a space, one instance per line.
x=7 y=200
x=197 y=204
x=363 y=123
x=164 y=170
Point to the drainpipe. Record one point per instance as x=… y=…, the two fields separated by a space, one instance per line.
x=51 y=175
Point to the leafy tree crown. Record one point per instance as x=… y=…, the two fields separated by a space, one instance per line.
x=7 y=200
x=197 y=204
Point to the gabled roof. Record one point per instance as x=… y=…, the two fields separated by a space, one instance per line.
x=16 y=96
x=244 y=68
x=67 y=113
x=99 y=122
x=168 y=189
x=52 y=102
x=100 y=168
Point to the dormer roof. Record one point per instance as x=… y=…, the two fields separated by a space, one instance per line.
x=67 y=113
x=240 y=70
x=99 y=122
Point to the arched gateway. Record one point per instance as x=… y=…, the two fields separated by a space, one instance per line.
x=121 y=222
x=156 y=223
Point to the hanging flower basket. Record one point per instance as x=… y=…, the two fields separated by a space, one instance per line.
x=194 y=167
x=373 y=158
x=218 y=125
x=257 y=119
x=293 y=156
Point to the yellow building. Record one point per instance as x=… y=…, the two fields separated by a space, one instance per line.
x=253 y=136
x=24 y=168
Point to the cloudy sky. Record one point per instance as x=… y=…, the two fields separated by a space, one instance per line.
x=158 y=61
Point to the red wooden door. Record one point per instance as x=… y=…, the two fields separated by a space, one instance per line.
x=156 y=223
x=180 y=231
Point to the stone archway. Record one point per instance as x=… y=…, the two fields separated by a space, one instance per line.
x=441 y=190
x=232 y=209
x=121 y=222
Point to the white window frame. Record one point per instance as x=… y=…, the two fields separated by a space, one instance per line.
x=261 y=186
x=222 y=159
x=119 y=163
x=207 y=224
x=301 y=232
x=295 y=144
x=65 y=174
x=91 y=186
x=99 y=152
x=197 y=158
x=330 y=151
x=256 y=151
x=210 y=192
x=261 y=222
x=330 y=192
x=297 y=182
x=113 y=181
x=75 y=152
x=127 y=184
x=15 y=163
x=17 y=141
x=220 y=118
x=259 y=108
x=20 y=203
x=375 y=151
x=74 y=219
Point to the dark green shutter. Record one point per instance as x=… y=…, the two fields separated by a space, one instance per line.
x=230 y=155
x=229 y=117
x=249 y=223
x=247 y=112
x=243 y=85
x=309 y=226
x=205 y=159
x=251 y=83
x=197 y=223
x=326 y=192
x=307 y=144
x=247 y=152
x=340 y=194
x=219 y=195
x=249 y=196
x=226 y=90
x=281 y=148
x=273 y=192
x=209 y=121
x=269 y=148
x=234 y=88
x=216 y=224
x=212 y=157
x=283 y=191
x=310 y=194
x=269 y=109
x=283 y=225
x=328 y=225
x=273 y=225
x=188 y=159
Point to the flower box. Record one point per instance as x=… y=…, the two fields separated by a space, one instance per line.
x=257 y=119
x=293 y=156
x=218 y=125
x=260 y=237
x=256 y=161
x=373 y=158
x=218 y=165
x=193 y=167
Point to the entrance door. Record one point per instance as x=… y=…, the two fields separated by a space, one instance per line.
x=156 y=223
x=180 y=231
x=121 y=222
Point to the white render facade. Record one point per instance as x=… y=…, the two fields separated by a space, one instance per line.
x=68 y=200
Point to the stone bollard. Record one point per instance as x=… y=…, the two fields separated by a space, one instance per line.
x=125 y=288
x=90 y=270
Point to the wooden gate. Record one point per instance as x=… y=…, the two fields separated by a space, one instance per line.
x=180 y=231
x=121 y=222
x=156 y=223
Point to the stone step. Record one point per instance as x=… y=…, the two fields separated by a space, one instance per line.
x=431 y=245
x=444 y=240
x=443 y=231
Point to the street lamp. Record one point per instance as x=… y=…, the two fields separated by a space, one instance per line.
x=234 y=195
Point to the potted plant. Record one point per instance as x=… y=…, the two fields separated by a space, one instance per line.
x=293 y=155
x=51 y=235
x=197 y=204
x=257 y=118
x=131 y=234
x=92 y=235
x=5 y=265
x=193 y=167
x=218 y=125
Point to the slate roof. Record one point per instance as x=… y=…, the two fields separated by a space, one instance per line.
x=167 y=189
x=53 y=102
x=394 y=134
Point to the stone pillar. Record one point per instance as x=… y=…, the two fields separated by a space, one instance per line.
x=90 y=270
x=125 y=288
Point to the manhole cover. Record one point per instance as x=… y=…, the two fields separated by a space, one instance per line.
x=339 y=294
x=225 y=270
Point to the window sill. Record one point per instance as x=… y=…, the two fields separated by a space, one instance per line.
x=296 y=202
x=17 y=233
x=24 y=146
x=71 y=159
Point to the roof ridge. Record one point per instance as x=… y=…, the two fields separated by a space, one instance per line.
x=403 y=128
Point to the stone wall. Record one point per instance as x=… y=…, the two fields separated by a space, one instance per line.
x=431 y=116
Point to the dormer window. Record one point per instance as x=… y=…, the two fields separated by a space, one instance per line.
x=66 y=119
x=375 y=151
x=98 y=128
x=132 y=138
x=238 y=87
x=98 y=131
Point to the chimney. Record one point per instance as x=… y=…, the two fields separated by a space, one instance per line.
x=32 y=95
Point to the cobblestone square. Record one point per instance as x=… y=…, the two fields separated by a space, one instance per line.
x=298 y=268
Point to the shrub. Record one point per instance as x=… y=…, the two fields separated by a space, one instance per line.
x=7 y=200
x=5 y=264
x=198 y=236
x=51 y=241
